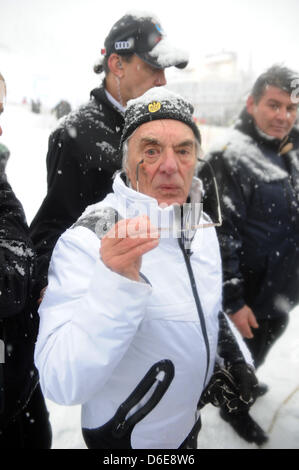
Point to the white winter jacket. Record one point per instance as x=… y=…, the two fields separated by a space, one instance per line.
x=101 y=333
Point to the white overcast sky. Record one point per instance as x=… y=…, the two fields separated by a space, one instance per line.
x=53 y=44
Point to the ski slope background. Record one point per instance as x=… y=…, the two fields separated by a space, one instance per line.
x=26 y=135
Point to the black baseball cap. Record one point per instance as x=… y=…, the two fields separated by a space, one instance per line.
x=143 y=36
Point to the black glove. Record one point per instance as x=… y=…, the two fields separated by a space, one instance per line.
x=232 y=388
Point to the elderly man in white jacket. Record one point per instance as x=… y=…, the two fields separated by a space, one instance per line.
x=129 y=325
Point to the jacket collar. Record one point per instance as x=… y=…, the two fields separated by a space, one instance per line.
x=100 y=95
x=246 y=125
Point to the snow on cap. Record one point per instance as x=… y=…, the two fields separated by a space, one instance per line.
x=158 y=103
x=142 y=34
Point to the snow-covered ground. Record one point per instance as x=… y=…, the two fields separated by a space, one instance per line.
x=26 y=135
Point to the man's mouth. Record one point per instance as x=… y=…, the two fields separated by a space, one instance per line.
x=169 y=187
x=279 y=128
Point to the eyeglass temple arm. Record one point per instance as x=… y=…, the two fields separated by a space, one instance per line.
x=137 y=174
x=216 y=190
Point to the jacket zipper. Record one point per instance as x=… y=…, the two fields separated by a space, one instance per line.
x=198 y=304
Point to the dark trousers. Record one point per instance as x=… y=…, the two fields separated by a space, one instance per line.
x=31 y=429
x=265 y=336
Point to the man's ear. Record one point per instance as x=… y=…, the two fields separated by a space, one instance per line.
x=250 y=104
x=115 y=65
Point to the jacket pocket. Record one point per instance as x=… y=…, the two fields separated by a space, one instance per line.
x=116 y=433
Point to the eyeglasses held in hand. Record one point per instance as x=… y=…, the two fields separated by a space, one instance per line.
x=209 y=223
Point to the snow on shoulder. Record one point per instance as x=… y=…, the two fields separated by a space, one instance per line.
x=241 y=149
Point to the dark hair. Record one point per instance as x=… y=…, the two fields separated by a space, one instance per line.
x=104 y=67
x=278 y=76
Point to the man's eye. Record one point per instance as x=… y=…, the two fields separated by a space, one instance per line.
x=292 y=109
x=184 y=153
x=151 y=152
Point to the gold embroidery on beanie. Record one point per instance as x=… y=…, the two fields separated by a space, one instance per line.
x=154 y=106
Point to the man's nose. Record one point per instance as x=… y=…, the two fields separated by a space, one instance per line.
x=169 y=162
x=283 y=114
x=160 y=79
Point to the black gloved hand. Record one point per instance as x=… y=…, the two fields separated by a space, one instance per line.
x=246 y=381
x=232 y=388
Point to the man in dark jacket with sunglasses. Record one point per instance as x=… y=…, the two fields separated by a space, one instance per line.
x=257 y=171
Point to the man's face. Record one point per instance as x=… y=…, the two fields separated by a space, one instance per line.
x=168 y=148
x=274 y=114
x=140 y=77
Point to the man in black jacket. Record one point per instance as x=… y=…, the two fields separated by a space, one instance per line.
x=23 y=414
x=83 y=150
x=257 y=171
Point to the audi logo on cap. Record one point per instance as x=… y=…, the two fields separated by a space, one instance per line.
x=123 y=45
